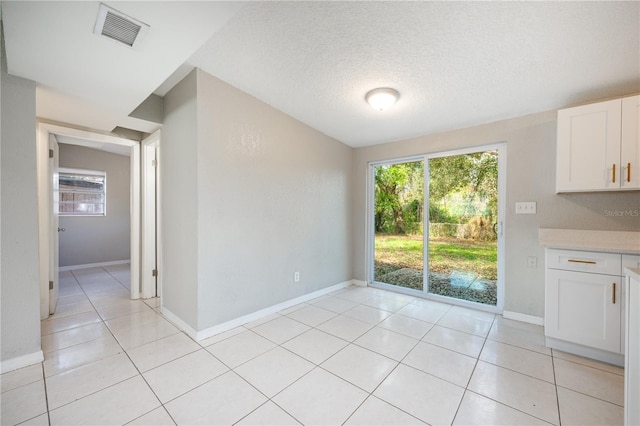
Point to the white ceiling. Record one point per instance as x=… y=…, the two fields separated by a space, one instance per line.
x=93 y=81
x=113 y=148
x=455 y=64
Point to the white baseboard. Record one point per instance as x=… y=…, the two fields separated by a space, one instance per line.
x=93 y=265
x=178 y=322
x=21 y=361
x=225 y=326
x=523 y=317
x=359 y=283
x=585 y=351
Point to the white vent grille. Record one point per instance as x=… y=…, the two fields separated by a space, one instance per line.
x=118 y=26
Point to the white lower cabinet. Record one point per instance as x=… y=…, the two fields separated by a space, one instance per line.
x=584 y=308
x=632 y=359
x=584 y=303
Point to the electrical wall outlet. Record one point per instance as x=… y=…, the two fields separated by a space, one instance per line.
x=528 y=207
x=532 y=262
x=296 y=277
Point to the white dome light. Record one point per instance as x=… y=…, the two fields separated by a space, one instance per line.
x=382 y=98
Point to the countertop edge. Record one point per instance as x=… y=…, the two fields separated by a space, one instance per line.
x=623 y=242
x=583 y=247
x=633 y=273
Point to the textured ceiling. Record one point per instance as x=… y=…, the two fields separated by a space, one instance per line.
x=455 y=64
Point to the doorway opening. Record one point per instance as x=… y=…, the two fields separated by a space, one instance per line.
x=47 y=166
x=436 y=224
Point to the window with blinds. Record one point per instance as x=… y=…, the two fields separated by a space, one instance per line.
x=82 y=193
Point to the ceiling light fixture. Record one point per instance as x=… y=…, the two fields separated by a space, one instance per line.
x=382 y=98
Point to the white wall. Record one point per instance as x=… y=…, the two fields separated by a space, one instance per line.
x=255 y=196
x=97 y=239
x=19 y=287
x=530 y=177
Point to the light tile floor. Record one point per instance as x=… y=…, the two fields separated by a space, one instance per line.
x=356 y=356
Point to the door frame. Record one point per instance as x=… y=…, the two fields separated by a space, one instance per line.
x=371 y=226
x=45 y=207
x=151 y=250
x=53 y=170
x=501 y=147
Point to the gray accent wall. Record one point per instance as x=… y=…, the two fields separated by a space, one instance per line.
x=19 y=267
x=531 y=145
x=260 y=196
x=98 y=239
x=179 y=201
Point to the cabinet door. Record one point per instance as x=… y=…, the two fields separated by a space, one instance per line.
x=632 y=358
x=584 y=308
x=630 y=144
x=588 y=147
x=628 y=261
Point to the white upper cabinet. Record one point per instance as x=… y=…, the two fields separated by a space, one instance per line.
x=598 y=146
x=630 y=143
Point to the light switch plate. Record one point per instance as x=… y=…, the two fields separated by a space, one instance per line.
x=528 y=207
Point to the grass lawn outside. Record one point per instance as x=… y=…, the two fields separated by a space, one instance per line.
x=452 y=264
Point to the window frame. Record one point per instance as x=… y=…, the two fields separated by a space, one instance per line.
x=68 y=171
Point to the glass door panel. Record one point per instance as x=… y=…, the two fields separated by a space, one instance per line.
x=398 y=224
x=462 y=233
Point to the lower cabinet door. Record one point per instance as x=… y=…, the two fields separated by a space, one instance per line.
x=584 y=308
x=632 y=357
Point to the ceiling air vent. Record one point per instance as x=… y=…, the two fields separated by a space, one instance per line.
x=120 y=27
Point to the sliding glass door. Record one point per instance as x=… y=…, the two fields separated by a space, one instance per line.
x=463 y=226
x=443 y=211
x=398 y=224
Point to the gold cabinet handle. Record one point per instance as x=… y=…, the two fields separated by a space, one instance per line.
x=590 y=262
x=613 y=294
x=628 y=172
x=613 y=175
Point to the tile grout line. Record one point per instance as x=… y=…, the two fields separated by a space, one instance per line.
x=374 y=326
x=115 y=278
x=485 y=338
x=43 y=372
x=475 y=365
x=110 y=332
x=140 y=373
x=507 y=406
x=555 y=386
x=590 y=396
x=46 y=394
x=370 y=394
x=102 y=320
x=316 y=366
